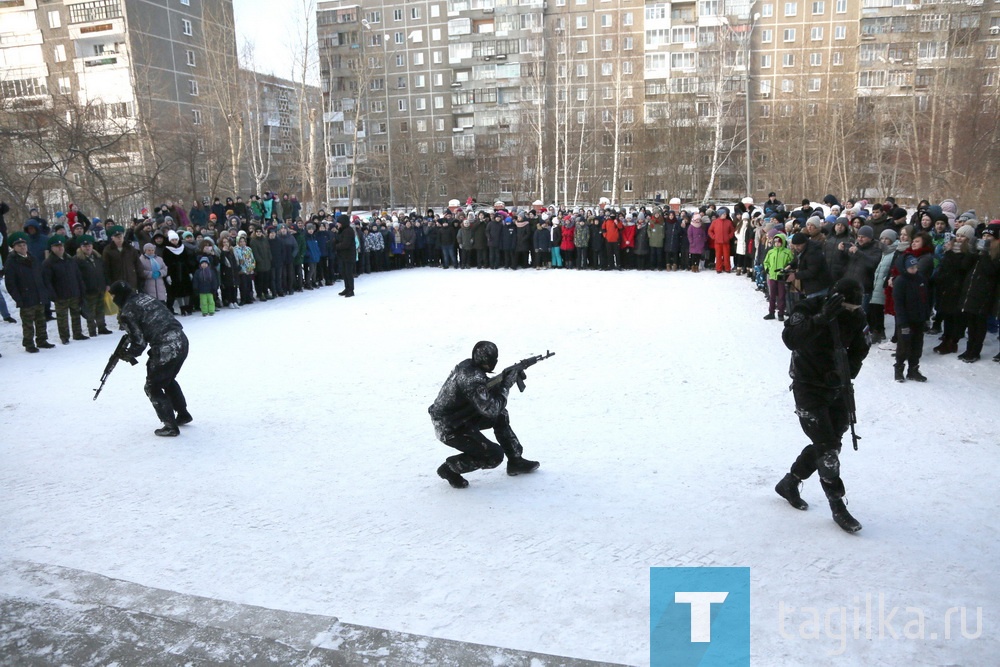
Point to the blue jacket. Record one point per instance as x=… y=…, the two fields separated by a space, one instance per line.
x=313 y=249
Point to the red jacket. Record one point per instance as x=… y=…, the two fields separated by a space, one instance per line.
x=611 y=227
x=721 y=231
x=628 y=236
x=567 y=238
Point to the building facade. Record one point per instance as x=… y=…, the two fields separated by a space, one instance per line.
x=573 y=100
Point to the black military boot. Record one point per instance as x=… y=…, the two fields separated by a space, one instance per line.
x=842 y=517
x=788 y=488
x=899 y=374
x=168 y=430
x=520 y=465
x=453 y=478
x=915 y=375
x=183 y=417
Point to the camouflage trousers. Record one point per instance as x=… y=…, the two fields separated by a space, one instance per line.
x=93 y=312
x=33 y=326
x=68 y=313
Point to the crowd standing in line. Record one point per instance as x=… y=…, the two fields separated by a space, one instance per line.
x=933 y=271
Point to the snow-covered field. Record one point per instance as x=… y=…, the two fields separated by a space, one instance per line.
x=307 y=481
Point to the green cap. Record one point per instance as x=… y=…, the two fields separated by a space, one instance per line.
x=116 y=230
x=85 y=239
x=17 y=237
x=55 y=239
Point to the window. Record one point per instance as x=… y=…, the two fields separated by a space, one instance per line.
x=627 y=18
x=401 y=82
x=582 y=46
x=606 y=21
x=814 y=84
x=767 y=10
x=581 y=69
x=401 y=105
x=765 y=61
x=420 y=104
x=764 y=87
x=377 y=84
x=193 y=87
x=766 y=36
x=437 y=57
x=788 y=60
x=991 y=51
x=54 y=20
x=418 y=58
x=871 y=79
x=840 y=32
x=421 y=125
x=789 y=35
x=98 y=10
x=581 y=117
x=404 y=126
x=682 y=60
x=186 y=3
x=397 y=15
x=607 y=69
x=439 y=102
x=990 y=79
x=186 y=27
x=419 y=81
x=414 y=12
x=400 y=60
x=60 y=53
x=709 y=8
x=190 y=58
x=628 y=115
x=339 y=150
x=815 y=59
x=196 y=116
x=787 y=86
x=64 y=85
x=607 y=44
x=581 y=94
x=683 y=34
x=581 y=21
x=439 y=124
x=627 y=67
x=841 y=7
x=791 y=8
x=398 y=38
x=627 y=43
x=657 y=11
x=837 y=58
x=818 y=7
x=374 y=17
x=816 y=34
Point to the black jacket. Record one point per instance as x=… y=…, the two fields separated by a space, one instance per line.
x=464 y=400
x=979 y=286
x=92 y=271
x=861 y=265
x=23 y=278
x=909 y=293
x=62 y=277
x=811 y=341
x=148 y=321
x=810 y=269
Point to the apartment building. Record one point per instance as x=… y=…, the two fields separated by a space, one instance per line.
x=155 y=75
x=572 y=100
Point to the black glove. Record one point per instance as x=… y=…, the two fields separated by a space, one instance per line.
x=832 y=308
x=510 y=377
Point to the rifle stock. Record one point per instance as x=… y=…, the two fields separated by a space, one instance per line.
x=847 y=387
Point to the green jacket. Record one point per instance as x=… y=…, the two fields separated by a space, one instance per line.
x=656 y=234
x=778 y=257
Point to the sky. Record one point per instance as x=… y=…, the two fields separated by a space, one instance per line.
x=307 y=480
x=276 y=35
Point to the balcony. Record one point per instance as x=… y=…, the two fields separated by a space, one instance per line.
x=106 y=62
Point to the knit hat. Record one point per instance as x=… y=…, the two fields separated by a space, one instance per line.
x=968 y=231
x=798 y=238
x=172 y=236
x=993 y=229
x=55 y=240
x=17 y=237
x=147 y=247
x=866 y=231
x=814 y=220
x=187 y=235
x=203 y=260
x=747 y=201
x=212 y=216
x=909 y=261
x=889 y=234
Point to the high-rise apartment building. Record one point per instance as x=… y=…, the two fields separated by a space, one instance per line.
x=573 y=100
x=117 y=103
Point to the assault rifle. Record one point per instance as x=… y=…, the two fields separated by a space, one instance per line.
x=847 y=387
x=518 y=370
x=120 y=354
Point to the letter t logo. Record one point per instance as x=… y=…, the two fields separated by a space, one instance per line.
x=701 y=611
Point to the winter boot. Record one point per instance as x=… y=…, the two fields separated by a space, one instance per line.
x=997 y=357
x=453 y=478
x=769 y=316
x=167 y=431
x=915 y=374
x=842 y=517
x=45 y=345
x=781 y=317
x=520 y=466
x=788 y=488
x=899 y=374
x=183 y=417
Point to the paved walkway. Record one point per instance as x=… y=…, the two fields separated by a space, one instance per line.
x=52 y=615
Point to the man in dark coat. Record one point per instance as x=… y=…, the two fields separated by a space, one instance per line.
x=23 y=278
x=94 y=286
x=862 y=259
x=494 y=241
x=279 y=258
x=346 y=253
x=64 y=283
x=465 y=406
x=809 y=266
x=820 y=391
x=121 y=260
x=148 y=322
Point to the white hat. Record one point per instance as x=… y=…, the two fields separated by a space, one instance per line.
x=747 y=201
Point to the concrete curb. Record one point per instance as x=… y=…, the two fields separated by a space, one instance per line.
x=56 y=615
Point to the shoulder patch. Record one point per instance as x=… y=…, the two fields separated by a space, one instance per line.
x=796 y=319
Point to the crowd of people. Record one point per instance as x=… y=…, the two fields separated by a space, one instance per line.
x=934 y=270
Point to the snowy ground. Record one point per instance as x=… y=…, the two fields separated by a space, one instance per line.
x=307 y=483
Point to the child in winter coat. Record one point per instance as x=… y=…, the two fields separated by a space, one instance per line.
x=205 y=282
x=154 y=271
x=909 y=294
x=775 y=262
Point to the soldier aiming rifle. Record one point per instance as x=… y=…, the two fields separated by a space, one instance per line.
x=470 y=402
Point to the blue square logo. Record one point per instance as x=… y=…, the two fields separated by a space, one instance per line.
x=699 y=616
